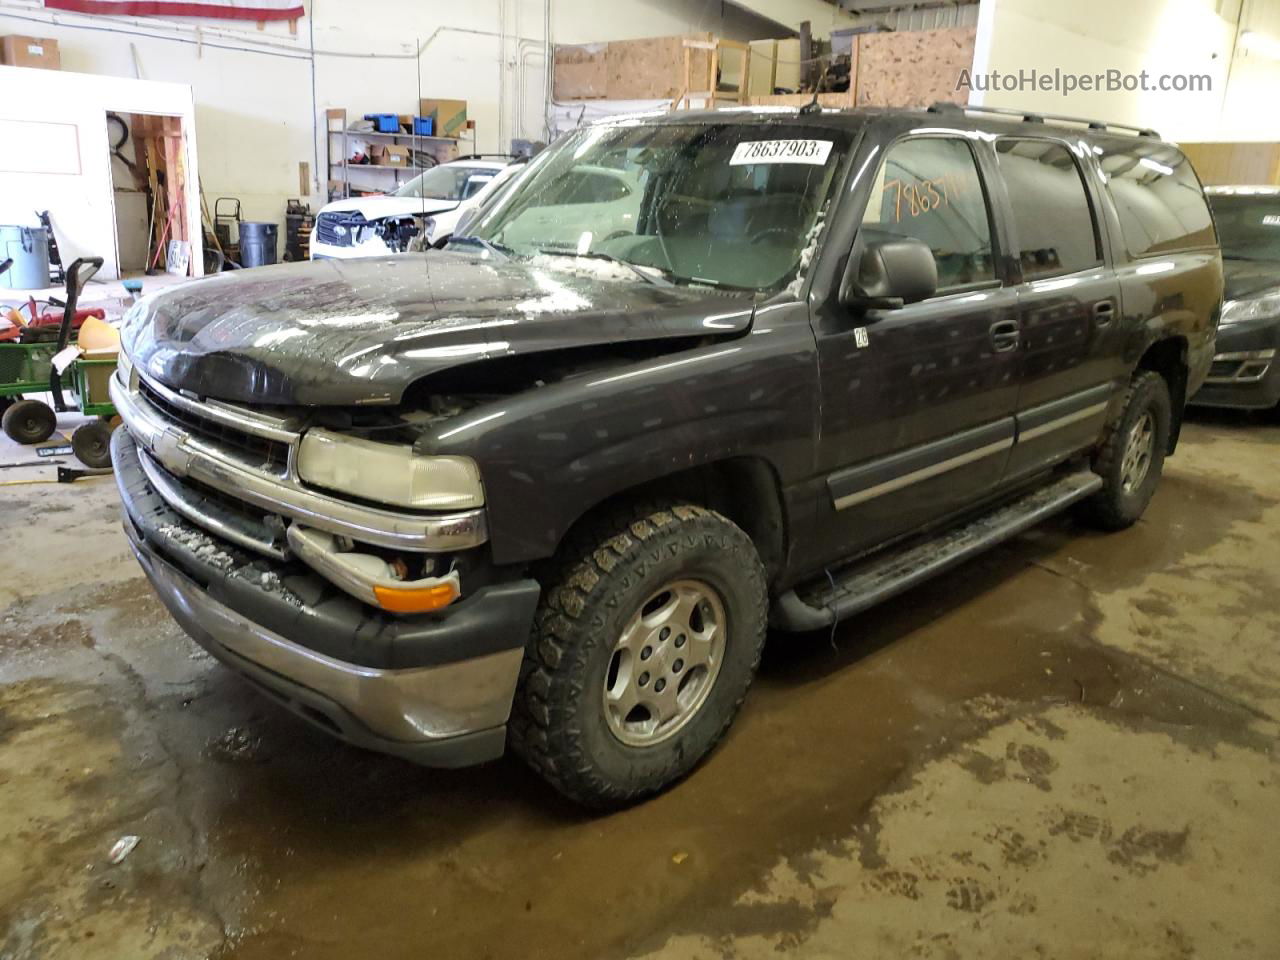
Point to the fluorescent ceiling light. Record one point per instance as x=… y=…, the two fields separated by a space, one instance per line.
x=1260 y=43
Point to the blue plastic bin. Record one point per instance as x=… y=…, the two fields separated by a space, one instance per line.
x=424 y=126
x=384 y=122
x=29 y=249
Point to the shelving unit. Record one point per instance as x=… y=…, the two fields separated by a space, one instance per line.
x=383 y=177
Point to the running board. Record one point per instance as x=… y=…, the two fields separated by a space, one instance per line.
x=819 y=603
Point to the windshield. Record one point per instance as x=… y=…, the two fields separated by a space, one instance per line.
x=724 y=204
x=447 y=182
x=1248 y=226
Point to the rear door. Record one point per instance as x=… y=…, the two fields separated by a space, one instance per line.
x=917 y=402
x=1068 y=301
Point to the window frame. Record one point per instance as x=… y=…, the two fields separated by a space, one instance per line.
x=966 y=138
x=1015 y=239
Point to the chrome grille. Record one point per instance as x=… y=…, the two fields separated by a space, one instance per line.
x=270 y=454
x=338 y=229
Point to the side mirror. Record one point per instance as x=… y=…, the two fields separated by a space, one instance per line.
x=80 y=273
x=889 y=274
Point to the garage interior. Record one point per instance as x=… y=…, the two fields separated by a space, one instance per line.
x=1064 y=747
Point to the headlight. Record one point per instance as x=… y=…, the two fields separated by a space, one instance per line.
x=388 y=473
x=1254 y=308
x=429 y=229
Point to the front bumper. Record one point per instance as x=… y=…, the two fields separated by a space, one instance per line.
x=435 y=688
x=1246 y=367
x=185 y=453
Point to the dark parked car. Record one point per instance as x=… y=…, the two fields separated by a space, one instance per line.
x=550 y=495
x=1244 y=372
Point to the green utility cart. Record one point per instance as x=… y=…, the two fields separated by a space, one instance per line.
x=27 y=368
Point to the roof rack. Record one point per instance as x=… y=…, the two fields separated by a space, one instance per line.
x=1029 y=116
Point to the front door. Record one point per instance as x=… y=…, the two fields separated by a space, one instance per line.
x=918 y=402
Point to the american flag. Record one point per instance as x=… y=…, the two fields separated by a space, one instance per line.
x=213 y=9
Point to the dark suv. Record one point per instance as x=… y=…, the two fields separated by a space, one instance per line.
x=693 y=374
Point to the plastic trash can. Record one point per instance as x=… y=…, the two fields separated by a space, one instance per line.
x=258 y=243
x=29 y=249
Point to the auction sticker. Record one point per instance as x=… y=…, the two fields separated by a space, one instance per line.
x=781 y=151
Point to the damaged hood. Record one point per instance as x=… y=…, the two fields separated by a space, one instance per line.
x=344 y=332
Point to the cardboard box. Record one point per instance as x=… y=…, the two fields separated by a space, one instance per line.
x=449 y=116
x=19 y=51
x=390 y=155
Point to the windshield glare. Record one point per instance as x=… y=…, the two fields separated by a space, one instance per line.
x=441 y=183
x=1248 y=226
x=717 y=203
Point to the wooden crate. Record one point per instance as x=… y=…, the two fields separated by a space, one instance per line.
x=647 y=69
x=580 y=71
x=914 y=68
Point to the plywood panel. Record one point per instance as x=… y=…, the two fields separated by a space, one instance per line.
x=580 y=71
x=1239 y=164
x=913 y=69
x=653 y=68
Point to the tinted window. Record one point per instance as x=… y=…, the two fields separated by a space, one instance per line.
x=929 y=189
x=1051 y=210
x=1158 y=198
x=1248 y=225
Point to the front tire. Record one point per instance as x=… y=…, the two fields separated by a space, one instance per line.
x=647 y=637
x=1130 y=458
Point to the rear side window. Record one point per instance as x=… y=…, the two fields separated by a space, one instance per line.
x=1158 y=198
x=928 y=189
x=1051 y=210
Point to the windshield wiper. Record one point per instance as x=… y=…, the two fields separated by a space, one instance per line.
x=657 y=280
x=497 y=252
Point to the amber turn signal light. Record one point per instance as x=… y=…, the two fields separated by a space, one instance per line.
x=415 y=599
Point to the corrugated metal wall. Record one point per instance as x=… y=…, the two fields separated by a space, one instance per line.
x=927 y=18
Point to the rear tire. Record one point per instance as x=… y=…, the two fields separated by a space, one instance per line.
x=647 y=637
x=91 y=442
x=29 y=421
x=1130 y=458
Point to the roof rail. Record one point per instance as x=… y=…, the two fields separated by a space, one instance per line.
x=1030 y=116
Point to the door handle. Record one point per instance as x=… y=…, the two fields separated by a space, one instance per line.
x=1005 y=336
x=1104 y=311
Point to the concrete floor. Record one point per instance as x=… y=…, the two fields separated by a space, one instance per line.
x=1065 y=749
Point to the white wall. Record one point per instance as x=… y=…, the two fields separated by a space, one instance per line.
x=1160 y=36
x=260 y=96
x=76 y=185
x=823 y=17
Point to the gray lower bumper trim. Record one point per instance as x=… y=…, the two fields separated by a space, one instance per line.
x=414 y=707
